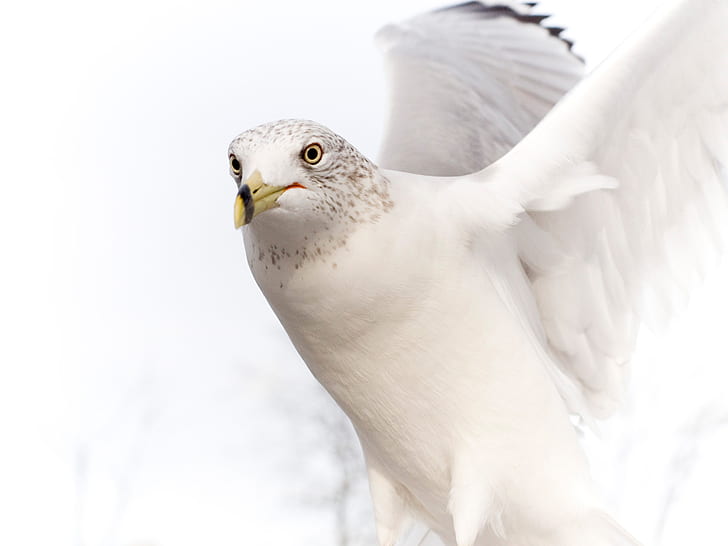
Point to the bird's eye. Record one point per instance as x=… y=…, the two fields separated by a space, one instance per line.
x=312 y=154
x=235 y=165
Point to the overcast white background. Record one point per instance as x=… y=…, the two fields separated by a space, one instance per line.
x=147 y=393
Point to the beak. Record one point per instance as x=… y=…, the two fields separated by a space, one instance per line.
x=255 y=196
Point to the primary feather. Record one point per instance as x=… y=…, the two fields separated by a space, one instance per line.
x=466 y=83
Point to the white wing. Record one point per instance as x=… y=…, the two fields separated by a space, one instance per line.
x=651 y=123
x=467 y=83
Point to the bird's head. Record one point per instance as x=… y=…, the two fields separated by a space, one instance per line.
x=302 y=177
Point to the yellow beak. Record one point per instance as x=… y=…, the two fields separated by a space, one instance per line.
x=254 y=197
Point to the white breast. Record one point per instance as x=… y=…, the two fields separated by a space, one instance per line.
x=425 y=358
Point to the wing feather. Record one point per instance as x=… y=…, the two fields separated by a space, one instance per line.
x=467 y=83
x=619 y=195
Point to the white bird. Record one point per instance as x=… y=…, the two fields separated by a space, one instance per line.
x=460 y=318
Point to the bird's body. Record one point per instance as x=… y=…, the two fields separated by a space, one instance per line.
x=459 y=321
x=397 y=343
x=398 y=337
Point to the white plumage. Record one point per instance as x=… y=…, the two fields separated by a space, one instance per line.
x=458 y=320
x=474 y=68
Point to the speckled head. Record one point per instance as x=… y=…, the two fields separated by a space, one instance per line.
x=300 y=184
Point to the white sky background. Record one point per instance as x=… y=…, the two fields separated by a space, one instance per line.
x=147 y=393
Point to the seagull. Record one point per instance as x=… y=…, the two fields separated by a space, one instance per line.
x=470 y=296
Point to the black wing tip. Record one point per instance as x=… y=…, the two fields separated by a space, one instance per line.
x=500 y=10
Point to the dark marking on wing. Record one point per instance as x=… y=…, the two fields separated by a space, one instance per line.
x=490 y=11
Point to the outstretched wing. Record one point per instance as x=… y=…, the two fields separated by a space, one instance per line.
x=619 y=194
x=467 y=83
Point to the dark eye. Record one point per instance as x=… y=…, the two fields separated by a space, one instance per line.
x=235 y=165
x=312 y=154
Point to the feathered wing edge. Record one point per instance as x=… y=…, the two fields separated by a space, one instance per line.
x=467 y=82
x=616 y=200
